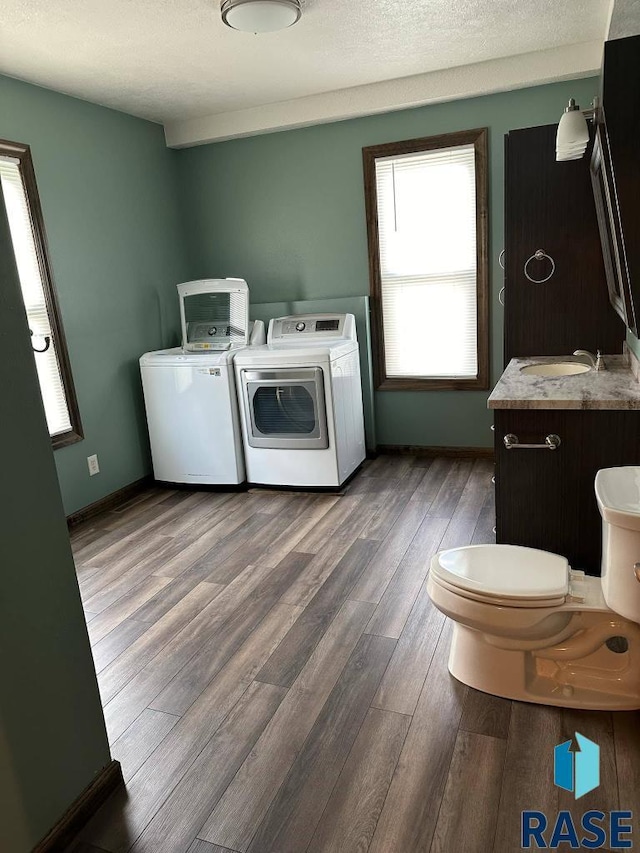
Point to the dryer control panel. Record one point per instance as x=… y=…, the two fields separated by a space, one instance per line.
x=317 y=327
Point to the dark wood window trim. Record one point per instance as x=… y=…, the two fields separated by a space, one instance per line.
x=478 y=138
x=22 y=153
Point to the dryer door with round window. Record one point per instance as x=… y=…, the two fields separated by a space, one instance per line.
x=285 y=408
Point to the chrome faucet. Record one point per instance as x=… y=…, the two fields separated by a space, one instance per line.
x=597 y=361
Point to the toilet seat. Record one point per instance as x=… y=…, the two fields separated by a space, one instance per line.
x=504 y=575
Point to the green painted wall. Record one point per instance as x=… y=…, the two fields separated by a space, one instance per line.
x=127 y=219
x=108 y=190
x=286 y=212
x=52 y=734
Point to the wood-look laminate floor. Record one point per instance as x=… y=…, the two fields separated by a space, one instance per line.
x=274 y=676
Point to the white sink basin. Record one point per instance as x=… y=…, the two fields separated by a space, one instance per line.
x=555 y=368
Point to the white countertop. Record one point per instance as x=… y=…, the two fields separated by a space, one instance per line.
x=613 y=388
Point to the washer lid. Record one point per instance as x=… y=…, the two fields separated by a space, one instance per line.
x=505 y=571
x=177 y=357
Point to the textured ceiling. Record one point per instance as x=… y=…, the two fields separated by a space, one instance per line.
x=625 y=19
x=173 y=59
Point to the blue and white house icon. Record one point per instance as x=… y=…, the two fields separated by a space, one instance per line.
x=577 y=769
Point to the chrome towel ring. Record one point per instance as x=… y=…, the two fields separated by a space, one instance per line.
x=539 y=255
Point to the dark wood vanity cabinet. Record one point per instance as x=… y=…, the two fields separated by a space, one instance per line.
x=574 y=211
x=545 y=498
x=550 y=206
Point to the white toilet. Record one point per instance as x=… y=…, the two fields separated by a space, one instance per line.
x=529 y=627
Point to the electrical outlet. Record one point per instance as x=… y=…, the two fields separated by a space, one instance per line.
x=92 y=462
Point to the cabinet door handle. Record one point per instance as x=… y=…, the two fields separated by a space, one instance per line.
x=512 y=442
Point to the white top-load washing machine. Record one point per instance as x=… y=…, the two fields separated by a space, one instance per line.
x=301 y=402
x=189 y=391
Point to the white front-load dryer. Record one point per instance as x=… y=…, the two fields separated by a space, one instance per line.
x=301 y=402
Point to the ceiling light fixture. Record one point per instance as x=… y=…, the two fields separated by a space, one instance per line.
x=573 y=134
x=260 y=16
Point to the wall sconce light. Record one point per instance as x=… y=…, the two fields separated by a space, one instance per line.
x=573 y=134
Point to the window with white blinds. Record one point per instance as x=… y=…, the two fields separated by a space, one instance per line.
x=38 y=299
x=426 y=273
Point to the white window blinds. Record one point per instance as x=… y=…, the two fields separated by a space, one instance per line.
x=33 y=294
x=428 y=268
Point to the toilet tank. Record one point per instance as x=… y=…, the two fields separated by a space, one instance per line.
x=618 y=496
